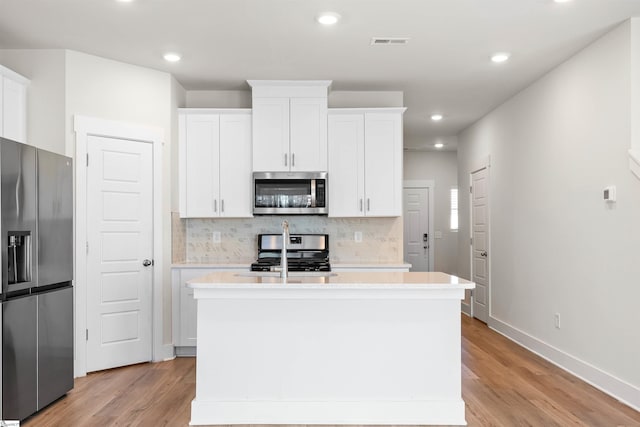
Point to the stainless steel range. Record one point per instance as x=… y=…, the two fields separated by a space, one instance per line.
x=305 y=252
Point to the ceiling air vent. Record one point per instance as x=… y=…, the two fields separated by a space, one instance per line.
x=389 y=41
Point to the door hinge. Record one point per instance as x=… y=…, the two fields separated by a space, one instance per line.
x=87 y=334
x=471 y=241
x=471 y=189
x=87 y=159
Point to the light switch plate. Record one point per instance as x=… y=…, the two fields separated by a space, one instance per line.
x=609 y=194
x=216 y=237
x=438 y=234
x=357 y=236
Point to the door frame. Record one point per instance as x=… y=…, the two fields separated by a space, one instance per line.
x=430 y=185
x=484 y=163
x=85 y=127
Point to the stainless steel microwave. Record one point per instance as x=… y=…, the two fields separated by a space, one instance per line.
x=290 y=193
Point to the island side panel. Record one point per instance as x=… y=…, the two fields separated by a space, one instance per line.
x=328 y=360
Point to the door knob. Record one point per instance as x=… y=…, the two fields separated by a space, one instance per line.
x=147 y=262
x=483 y=253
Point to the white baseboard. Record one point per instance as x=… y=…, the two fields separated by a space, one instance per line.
x=607 y=383
x=370 y=412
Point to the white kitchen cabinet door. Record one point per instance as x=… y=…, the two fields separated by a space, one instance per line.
x=13 y=105
x=200 y=165
x=365 y=162
x=188 y=313
x=185 y=309
x=383 y=164
x=271 y=134
x=1 y=105
x=346 y=165
x=215 y=163
x=235 y=165
x=308 y=134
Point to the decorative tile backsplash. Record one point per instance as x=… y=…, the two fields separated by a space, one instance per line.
x=193 y=238
x=178 y=238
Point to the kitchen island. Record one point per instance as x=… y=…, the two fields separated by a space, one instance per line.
x=345 y=348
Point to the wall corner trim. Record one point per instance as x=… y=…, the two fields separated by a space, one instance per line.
x=634 y=162
x=603 y=381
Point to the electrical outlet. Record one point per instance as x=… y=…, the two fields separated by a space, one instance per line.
x=556 y=320
x=216 y=237
x=357 y=236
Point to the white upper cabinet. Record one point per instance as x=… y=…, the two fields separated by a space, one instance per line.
x=289 y=125
x=215 y=163
x=13 y=105
x=365 y=162
x=271 y=136
x=346 y=165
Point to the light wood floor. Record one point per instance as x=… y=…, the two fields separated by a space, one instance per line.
x=502 y=385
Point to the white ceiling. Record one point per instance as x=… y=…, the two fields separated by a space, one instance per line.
x=444 y=68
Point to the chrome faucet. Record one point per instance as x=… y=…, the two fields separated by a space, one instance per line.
x=284 y=266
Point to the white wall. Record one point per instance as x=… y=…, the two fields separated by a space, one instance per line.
x=556 y=246
x=218 y=98
x=442 y=168
x=365 y=99
x=634 y=152
x=45 y=95
x=336 y=99
x=111 y=90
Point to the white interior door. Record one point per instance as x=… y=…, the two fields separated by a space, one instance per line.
x=416 y=228
x=119 y=252
x=479 y=242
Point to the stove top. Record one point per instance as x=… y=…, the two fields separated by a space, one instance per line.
x=305 y=252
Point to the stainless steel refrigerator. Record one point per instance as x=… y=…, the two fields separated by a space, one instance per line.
x=36 y=232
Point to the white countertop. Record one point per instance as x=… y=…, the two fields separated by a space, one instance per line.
x=350 y=280
x=214 y=266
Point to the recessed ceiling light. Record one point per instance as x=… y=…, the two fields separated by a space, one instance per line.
x=124 y=1
x=500 y=57
x=172 y=57
x=436 y=117
x=328 y=18
x=561 y=1
x=438 y=145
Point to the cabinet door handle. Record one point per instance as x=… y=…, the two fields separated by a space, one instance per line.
x=293 y=159
x=215 y=205
x=360 y=205
x=368 y=204
x=222 y=206
x=285 y=159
